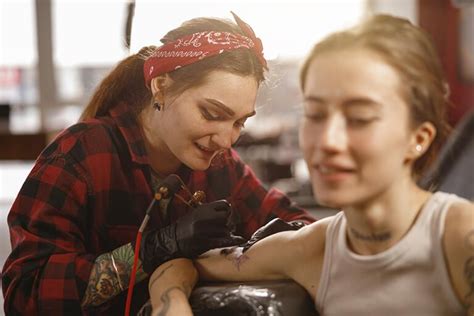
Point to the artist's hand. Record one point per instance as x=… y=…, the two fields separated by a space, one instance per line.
x=202 y=229
x=274 y=226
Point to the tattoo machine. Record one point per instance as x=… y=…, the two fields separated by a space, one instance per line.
x=166 y=189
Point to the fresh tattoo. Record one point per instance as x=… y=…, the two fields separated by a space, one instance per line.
x=232 y=254
x=372 y=237
x=110 y=275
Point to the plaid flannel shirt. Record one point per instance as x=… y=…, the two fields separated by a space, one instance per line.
x=87 y=194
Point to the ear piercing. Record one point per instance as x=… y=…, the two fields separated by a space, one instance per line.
x=418 y=148
x=157 y=105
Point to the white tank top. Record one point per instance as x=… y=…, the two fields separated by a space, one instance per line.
x=410 y=278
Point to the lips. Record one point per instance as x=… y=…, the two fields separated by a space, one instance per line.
x=333 y=172
x=205 y=150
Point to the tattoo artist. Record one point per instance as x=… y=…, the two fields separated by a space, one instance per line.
x=172 y=109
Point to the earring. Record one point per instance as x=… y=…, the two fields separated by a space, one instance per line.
x=157 y=105
x=418 y=148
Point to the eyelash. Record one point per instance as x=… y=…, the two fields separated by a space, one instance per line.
x=357 y=122
x=208 y=116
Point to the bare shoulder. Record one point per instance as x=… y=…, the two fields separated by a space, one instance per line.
x=310 y=241
x=458 y=243
x=459 y=224
x=312 y=238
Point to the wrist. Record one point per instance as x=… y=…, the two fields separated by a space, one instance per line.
x=158 y=247
x=170 y=286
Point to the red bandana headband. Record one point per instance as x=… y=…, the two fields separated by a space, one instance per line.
x=195 y=47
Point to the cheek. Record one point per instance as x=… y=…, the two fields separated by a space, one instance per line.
x=380 y=147
x=306 y=139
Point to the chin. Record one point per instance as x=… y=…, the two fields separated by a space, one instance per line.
x=332 y=199
x=199 y=165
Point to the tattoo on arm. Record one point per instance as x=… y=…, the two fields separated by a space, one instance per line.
x=103 y=281
x=237 y=259
x=469 y=275
x=165 y=299
x=159 y=275
x=469 y=270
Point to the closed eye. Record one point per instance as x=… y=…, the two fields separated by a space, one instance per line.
x=361 y=122
x=209 y=116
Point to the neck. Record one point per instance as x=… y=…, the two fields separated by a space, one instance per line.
x=378 y=224
x=160 y=158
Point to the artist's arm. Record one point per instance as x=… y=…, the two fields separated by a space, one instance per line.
x=170 y=286
x=459 y=250
x=110 y=275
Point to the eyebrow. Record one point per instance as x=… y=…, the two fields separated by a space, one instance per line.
x=349 y=102
x=226 y=109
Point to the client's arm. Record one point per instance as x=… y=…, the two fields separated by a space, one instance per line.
x=170 y=286
x=458 y=243
x=270 y=258
x=293 y=255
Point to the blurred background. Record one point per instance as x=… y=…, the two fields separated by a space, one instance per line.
x=53 y=53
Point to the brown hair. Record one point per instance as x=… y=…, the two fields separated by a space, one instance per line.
x=410 y=51
x=125 y=83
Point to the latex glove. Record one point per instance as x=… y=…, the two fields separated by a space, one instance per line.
x=272 y=227
x=193 y=234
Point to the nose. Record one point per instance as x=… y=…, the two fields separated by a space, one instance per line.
x=333 y=135
x=225 y=136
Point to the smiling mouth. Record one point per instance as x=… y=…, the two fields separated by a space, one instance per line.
x=205 y=149
x=333 y=173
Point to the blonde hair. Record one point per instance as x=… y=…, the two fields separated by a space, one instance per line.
x=409 y=50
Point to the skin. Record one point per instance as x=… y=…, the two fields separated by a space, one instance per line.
x=354 y=116
x=193 y=127
x=183 y=276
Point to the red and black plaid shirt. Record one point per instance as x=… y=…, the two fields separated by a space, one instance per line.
x=87 y=195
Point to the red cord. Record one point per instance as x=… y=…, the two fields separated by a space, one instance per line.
x=132 y=275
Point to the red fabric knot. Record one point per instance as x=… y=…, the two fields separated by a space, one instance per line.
x=258 y=48
x=197 y=46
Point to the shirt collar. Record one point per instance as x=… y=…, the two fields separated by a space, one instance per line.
x=128 y=125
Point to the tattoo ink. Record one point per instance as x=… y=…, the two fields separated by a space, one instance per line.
x=160 y=275
x=165 y=298
x=469 y=269
x=235 y=255
x=372 y=237
x=104 y=279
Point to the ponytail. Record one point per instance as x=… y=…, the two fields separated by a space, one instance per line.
x=125 y=83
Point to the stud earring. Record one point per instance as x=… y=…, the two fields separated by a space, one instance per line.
x=418 y=148
x=157 y=105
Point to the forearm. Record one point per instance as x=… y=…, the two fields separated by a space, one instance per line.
x=170 y=286
x=110 y=275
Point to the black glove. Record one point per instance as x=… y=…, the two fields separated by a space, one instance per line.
x=193 y=234
x=272 y=227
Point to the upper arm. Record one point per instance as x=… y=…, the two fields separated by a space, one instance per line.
x=270 y=258
x=280 y=256
x=459 y=249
